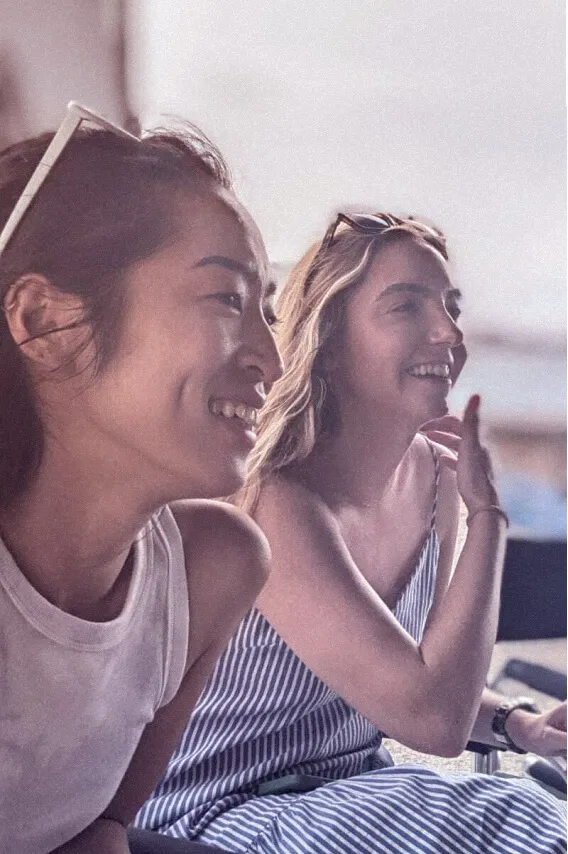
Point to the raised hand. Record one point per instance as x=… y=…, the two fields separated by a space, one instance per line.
x=474 y=471
x=446 y=431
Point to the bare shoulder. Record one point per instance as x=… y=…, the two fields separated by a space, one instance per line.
x=214 y=527
x=227 y=562
x=288 y=500
x=289 y=511
x=305 y=538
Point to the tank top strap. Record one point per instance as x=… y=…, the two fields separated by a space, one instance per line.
x=437 y=467
x=169 y=559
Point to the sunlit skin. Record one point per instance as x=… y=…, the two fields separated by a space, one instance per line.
x=358 y=510
x=403 y=314
x=196 y=329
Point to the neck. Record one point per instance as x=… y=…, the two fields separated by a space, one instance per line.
x=361 y=463
x=71 y=532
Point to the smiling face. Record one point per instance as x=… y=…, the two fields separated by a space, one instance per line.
x=177 y=403
x=395 y=357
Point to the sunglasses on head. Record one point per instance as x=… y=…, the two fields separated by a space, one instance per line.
x=74 y=116
x=367 y=224
x=370 y=225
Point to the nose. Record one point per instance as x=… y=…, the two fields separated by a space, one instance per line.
x=444 y=330
x=260 y=355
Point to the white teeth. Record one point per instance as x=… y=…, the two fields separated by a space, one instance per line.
x=228 y=409
x=429 y=370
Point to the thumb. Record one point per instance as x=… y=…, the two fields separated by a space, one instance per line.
x=557 y=717
x=553 y=741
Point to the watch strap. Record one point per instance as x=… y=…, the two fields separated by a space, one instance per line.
x=500 y=715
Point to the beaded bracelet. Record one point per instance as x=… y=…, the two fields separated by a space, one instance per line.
x=492 y=508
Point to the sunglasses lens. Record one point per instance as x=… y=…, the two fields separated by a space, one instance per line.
x=369 y=222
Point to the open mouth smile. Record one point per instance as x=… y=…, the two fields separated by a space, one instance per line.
x=430 y=370
x=235 y=410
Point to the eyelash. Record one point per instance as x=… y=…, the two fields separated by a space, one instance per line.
x=409 y=306
x=453 y=310
x=271 y=319
x=231 y=300
x=235 y=301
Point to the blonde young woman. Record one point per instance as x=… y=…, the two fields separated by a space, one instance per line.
x=362 y=628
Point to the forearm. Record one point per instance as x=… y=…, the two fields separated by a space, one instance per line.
x=458 y=643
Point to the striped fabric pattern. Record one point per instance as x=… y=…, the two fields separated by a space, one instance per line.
x=264 y=714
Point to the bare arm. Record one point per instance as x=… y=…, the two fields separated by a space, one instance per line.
x=228 y=560
x=543 y=734
x=426 y=695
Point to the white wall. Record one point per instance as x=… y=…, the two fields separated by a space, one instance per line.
x=62 y=50
x=446 y=108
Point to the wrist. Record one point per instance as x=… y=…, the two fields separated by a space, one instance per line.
x=518 y=725
x=507 y=723
x=104 y=835
x=491 y=510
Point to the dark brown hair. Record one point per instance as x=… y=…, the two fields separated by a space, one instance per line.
x=108 y=203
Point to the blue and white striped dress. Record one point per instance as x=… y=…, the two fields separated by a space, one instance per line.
x=264 y=714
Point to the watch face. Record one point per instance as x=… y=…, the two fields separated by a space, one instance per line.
x=500 y=715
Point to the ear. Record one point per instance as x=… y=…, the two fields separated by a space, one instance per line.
x=42 y=320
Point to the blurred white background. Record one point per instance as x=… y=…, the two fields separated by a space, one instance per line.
x=449 y=109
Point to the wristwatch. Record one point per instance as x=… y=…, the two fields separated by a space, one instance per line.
x=500 y=715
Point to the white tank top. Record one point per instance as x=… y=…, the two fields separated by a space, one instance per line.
x=76 y=695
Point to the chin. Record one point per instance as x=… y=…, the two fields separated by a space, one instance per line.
x=432 y=413
x=224 y=484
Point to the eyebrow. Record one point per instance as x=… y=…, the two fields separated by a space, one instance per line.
x=415 y=288
x=248 y=273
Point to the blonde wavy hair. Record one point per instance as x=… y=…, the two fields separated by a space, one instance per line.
x=300 y=407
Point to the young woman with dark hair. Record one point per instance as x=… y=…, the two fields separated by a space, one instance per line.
x=134 y=353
